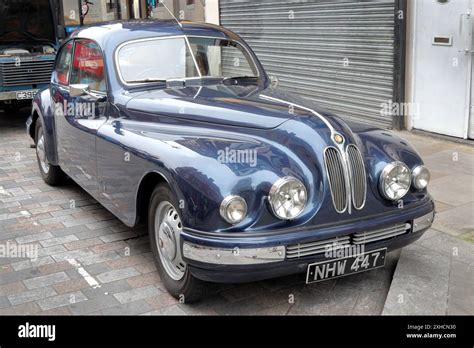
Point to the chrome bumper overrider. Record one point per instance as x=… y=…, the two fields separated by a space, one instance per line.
x=423 y=222
x=249 y=256
x=234 y=256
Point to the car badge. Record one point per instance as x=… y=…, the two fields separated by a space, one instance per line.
x=338 y=138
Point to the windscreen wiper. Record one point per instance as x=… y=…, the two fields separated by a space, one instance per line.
x=148 y=81
x=236 y=78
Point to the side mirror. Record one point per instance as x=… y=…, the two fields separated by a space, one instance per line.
x=78 y=90
x=274 y=81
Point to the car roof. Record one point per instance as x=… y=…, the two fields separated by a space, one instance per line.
x=111 y=34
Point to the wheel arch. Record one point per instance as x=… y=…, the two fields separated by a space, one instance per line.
x=42 y=110
x=148 y=182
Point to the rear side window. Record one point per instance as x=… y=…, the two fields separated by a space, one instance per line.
x=63 y=65
x=88 y=66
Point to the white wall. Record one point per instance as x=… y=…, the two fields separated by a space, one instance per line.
x=211 y=13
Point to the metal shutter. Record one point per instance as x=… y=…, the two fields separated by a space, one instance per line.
x=337 y=53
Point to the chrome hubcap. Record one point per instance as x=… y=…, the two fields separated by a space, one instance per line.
x=168 y=229
x=41 y=153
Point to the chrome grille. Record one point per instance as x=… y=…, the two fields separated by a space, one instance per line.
x=26 y=73
x=358 y=177
x=318 y=247
x=337 y=181
x=383 y=233
x=314 y=248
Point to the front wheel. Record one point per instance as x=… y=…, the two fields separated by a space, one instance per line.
x=52 y=175
x=165 y=227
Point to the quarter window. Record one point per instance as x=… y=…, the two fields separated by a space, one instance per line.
x=88 y=66
x=63 y=65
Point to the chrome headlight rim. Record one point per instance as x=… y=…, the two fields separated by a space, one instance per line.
x=386 y=170
x=225 y=205
x=416 y=172
x=275 y=189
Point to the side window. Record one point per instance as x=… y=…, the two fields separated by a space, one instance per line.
x=88 y=66
x=63 y=65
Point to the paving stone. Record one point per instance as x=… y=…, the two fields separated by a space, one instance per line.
x=93 y=305
x=457 y=220
x=145 y=279
x=130 y=308
x=118 y=236
x=70 y=285
x=107 y=289
x=26 y=264
x=137 y=294
x=117 y=274
x=58 y=240
x=127 y=261
x=30 y=308
x=46 y=280
x=420 y=283
x=461 y=285
x=34 y=238
x=456 y=189
x=80 y=244
x=74 y=254
x=61 y=300
x=12 y=288
x=31 y=295
x=171 y=310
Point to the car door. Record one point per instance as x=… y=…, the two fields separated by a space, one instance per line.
x=80 y=117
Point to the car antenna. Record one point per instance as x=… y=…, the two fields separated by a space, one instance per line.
x=171 y=13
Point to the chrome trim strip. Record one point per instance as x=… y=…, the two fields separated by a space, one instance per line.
x=193 y=56
x=236 y=256
x=423 y=222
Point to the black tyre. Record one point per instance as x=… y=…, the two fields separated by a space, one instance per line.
x=52 y=175
x=164 y=227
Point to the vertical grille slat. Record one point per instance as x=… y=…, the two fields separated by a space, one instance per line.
x=347 y=177
x=358 y=176
x=335 y=172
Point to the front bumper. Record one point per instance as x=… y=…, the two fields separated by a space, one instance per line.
x=12 y=95
x=243 y=257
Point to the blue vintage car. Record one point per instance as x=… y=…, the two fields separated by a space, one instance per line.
x=178 y=125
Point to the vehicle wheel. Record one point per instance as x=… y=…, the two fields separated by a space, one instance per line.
x=164 y=227
x=52 y=175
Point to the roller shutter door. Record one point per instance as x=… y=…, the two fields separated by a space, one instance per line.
x=337 y=53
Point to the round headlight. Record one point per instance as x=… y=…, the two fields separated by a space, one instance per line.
x=233 y=209
x=395 y=181
x=288 y=198
x=420 y=177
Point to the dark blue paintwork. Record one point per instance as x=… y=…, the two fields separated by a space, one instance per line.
x=148 y=127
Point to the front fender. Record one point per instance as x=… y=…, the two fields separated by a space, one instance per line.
x=202 y=166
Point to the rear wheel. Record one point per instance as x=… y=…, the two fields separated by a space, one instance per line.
x=165 y=227
x=52 y=175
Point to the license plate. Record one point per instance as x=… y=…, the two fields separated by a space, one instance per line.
x=345 y=266
x=26 y=94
